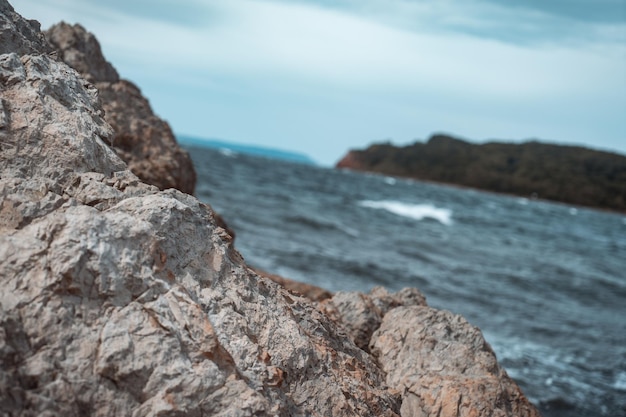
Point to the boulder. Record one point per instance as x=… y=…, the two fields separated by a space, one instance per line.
x=438 y=363
x=443 y=366
x=143 y=140
x=117 y=298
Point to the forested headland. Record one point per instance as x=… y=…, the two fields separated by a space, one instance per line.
x=569 y=174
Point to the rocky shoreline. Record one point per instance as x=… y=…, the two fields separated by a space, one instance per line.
x=122 y=295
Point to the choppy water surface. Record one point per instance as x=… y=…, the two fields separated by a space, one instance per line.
x=545 y=282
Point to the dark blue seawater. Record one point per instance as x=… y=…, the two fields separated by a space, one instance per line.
x=545 y=282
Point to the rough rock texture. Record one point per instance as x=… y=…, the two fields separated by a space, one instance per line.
x=312 y=292
x=143 y=140
x=120 y=299
x=452 y=371
x=439 y=363
x=361 y=314
x=20 y=35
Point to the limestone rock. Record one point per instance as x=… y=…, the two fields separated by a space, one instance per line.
x=143 y=140
x=439 y=363
x=143 y=309
x=444 y=367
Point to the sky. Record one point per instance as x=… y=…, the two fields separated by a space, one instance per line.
x=321 y=77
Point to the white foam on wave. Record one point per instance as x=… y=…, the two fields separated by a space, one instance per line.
x=227 y=152
x=412 y=211
x=620 y=382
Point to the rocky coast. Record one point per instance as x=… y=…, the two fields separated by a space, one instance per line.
x=567 y=174
x=122 y=294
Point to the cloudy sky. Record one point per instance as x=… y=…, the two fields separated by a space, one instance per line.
x=322 y=76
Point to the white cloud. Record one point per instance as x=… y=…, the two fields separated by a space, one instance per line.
x=342 y=49
x=301 y=41
x=401 y=55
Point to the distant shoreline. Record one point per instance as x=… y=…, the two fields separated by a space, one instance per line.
x=557 y=173
x=247 y=149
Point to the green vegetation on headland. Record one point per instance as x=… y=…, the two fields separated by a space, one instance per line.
x=569 y=174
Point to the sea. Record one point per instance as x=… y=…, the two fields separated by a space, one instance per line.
x=545 y=282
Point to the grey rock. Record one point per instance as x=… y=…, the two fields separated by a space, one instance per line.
x=53 y=124
x=312 y=292
x=119 y=299
x=437 y=362
x=19 y=35
x=142 y=139
x=360 y=314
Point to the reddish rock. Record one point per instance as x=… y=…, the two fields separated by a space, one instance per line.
x=351 y=161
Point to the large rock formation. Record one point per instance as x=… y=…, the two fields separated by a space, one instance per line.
x=452 y=371
x=120 y=299
x=144 y=141
x=441 y=364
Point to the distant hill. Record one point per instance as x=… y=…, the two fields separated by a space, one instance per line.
x=247 y=149
x=569 y=174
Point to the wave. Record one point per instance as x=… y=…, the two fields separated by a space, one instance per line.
x=620 y=382
x=227 y=152
x=412 y=211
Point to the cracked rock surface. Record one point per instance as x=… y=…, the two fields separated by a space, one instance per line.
x=117 y=298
